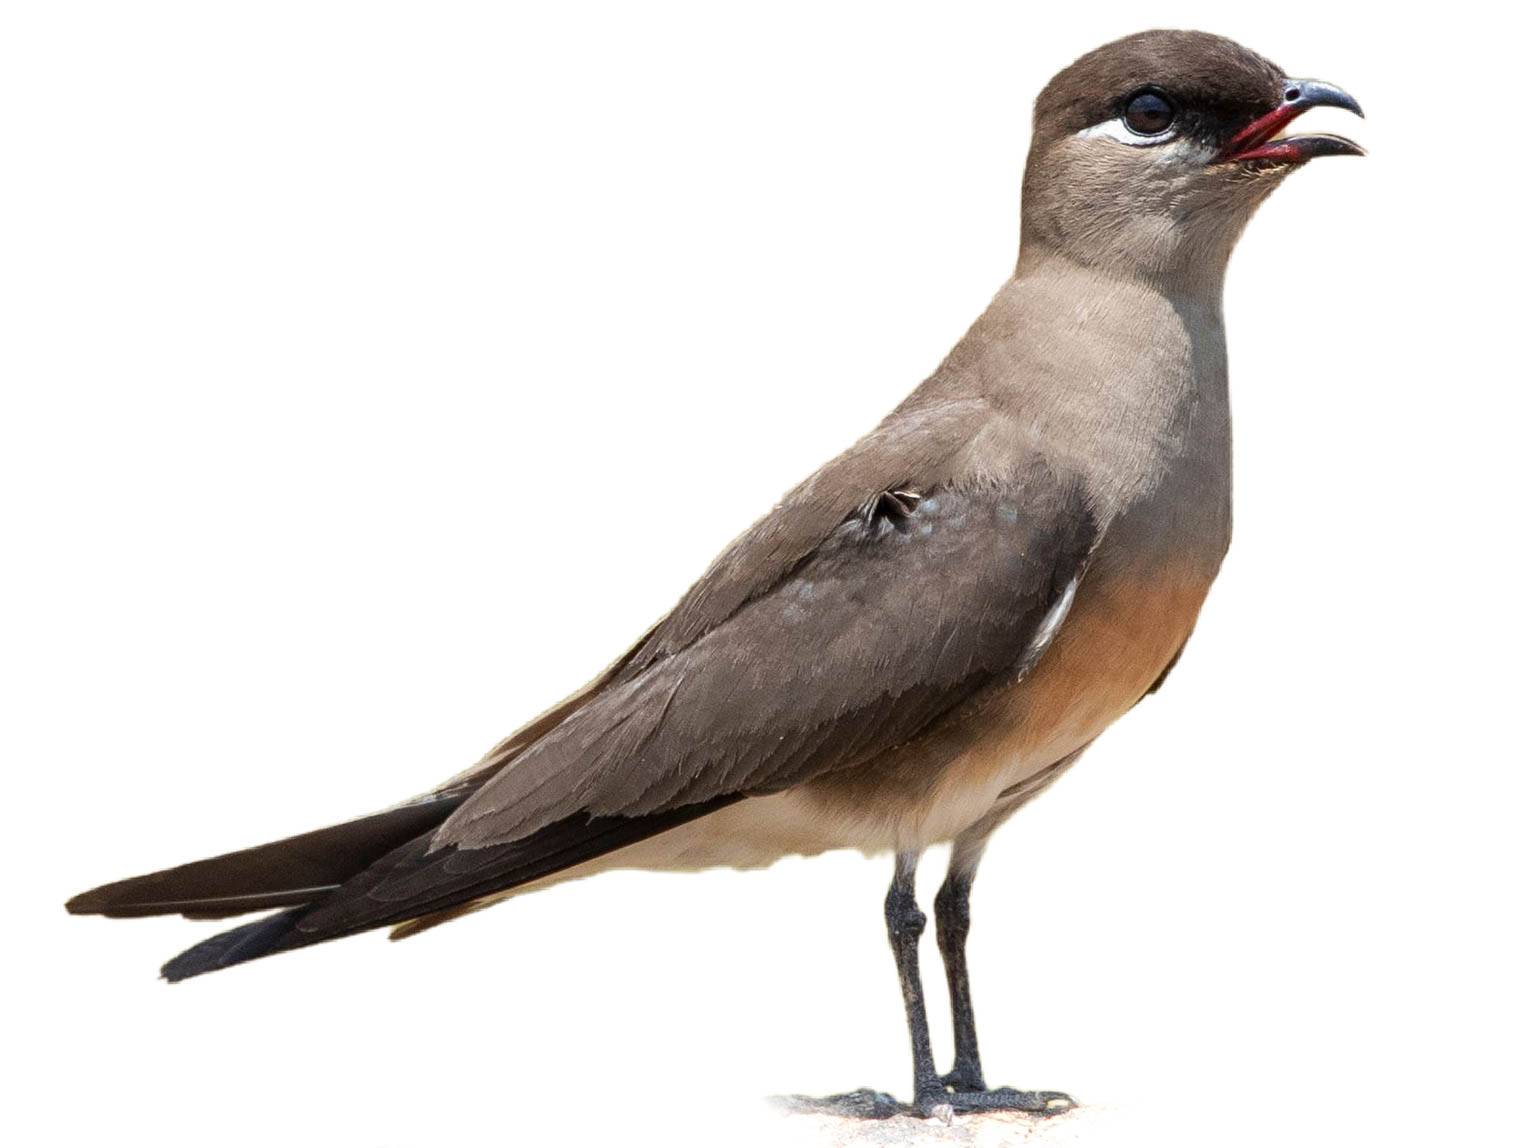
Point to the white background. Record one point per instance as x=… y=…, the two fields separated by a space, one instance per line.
x=374 y=373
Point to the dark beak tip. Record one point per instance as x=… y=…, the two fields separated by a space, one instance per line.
x=1319 y=94
x=1314 y=147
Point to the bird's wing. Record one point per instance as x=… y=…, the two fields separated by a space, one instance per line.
x=914 y=442
x=914 y=601
x=795 y=656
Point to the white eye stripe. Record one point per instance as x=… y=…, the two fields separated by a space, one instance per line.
x=1169 y=147
x=1117 y=130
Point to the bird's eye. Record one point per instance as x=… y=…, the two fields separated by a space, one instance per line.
x=1148 y=114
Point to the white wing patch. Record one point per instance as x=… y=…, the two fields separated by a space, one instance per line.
x=1047 y=629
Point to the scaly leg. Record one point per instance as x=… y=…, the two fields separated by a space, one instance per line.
x=931 y=1097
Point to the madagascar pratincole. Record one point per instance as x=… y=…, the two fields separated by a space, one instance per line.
x=928 y=631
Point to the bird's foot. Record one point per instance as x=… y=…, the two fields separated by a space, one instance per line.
x=944 y=1104
x=866 y=1104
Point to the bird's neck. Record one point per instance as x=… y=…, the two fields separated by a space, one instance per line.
x=1178 y=242
x=1118 y=377
x=1191 y=270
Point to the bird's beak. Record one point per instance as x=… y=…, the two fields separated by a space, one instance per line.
x=1258 y=140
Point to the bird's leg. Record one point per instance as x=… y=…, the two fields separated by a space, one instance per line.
x=905 y=924
x=932 y=1094
x=952 y=921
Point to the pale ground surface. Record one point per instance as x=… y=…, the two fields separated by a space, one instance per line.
x=1097 y=1126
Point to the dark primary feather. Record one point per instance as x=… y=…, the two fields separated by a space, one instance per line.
x=413 y=880
x=292 y=871
x=257 y=939
x=299 y=870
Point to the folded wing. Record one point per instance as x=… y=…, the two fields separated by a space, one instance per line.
x=843 y=625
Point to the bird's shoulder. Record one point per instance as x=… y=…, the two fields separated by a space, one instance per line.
x=918 y=447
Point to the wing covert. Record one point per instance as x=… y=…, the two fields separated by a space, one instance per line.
x=894 y=618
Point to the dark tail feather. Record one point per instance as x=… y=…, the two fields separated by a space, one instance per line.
x=233 y=947
x=415 y=880
x=293 y=871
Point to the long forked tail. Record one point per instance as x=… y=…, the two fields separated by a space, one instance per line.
x=293 y=871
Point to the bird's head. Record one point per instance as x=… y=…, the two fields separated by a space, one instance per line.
x=1150 y=154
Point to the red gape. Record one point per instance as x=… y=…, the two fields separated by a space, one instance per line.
x=1251 y=142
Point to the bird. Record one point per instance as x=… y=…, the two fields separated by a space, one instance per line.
x=924 y=634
